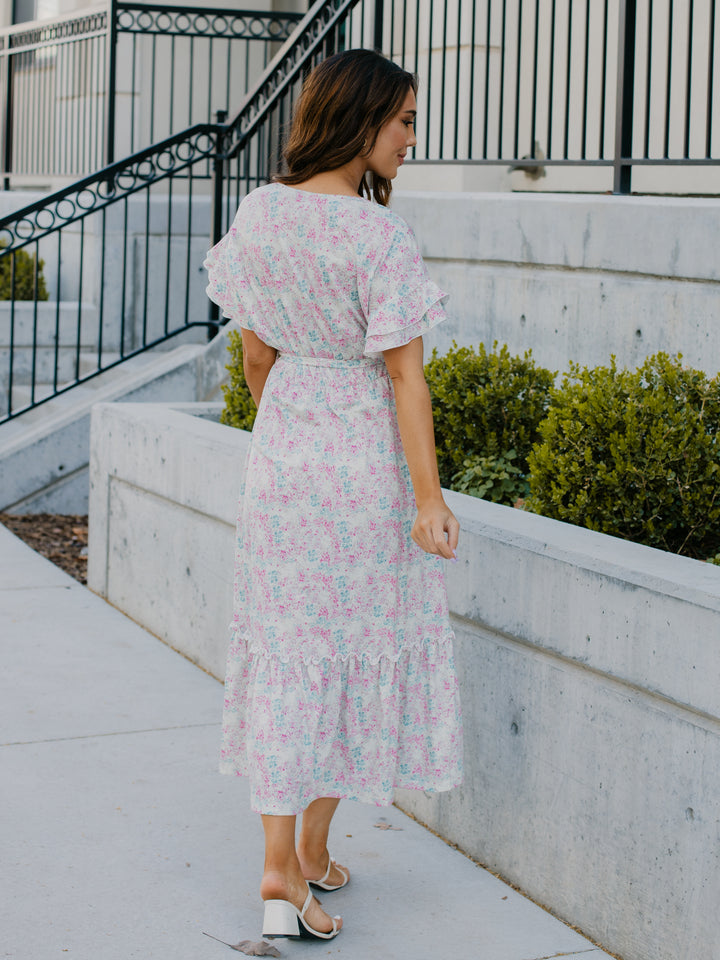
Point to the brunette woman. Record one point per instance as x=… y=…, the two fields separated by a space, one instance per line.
x=340 y=680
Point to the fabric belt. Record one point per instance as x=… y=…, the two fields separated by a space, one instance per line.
x=353 y=363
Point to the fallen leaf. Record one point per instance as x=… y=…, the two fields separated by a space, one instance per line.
x=251 y=948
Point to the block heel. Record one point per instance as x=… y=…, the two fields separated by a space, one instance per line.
x=283 y=919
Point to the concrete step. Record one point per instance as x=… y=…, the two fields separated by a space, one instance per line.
x=73 y=399
x=22 y=393
x=44 y=452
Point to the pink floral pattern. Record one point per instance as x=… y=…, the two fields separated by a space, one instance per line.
x=340 y=678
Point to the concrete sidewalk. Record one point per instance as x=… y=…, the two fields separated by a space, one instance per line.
x=120 y=840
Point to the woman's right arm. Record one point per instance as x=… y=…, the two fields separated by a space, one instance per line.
x=258 y=359
x=435 y=521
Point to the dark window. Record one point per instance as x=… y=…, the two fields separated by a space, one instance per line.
x=24 y=10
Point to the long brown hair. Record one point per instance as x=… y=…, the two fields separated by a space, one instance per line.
x=343 y=104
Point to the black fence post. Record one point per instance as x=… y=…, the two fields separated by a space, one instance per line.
x=378 y=25
x=216 y=225
x=8 y=118
x=110 y=81
x=625 y=96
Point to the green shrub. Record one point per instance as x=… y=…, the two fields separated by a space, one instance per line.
x=24 y=276
x=492 y=478
x=634 y=454
x=240 y=409
x=486 y=405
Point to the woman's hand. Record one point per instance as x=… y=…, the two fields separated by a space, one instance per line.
x=436 y=530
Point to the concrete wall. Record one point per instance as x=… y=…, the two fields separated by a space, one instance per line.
x=590 y=672
x=163 y=489
x=574 y=277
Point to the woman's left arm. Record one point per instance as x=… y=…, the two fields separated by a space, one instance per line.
x=258 y=359
x=436 y=529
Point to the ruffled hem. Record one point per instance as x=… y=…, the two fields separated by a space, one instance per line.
x=400 y=322
x=284 y=810
x=342 y=728
x=240 y=649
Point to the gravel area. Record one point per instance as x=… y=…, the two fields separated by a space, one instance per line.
x=60 y=538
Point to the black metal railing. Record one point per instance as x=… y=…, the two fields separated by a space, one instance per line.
x=183 y=64
x=52 y=83
x=120 y=255
x=77 y=91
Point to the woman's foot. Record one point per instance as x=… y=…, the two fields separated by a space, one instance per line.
x=276 y=886
x=323 y=870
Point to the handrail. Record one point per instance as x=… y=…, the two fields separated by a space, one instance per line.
x=104 y=187
x=25 y=226
x=161 y=160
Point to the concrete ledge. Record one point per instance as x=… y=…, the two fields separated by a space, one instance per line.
x=574 y=277
x=590 y=671
x=570 y=231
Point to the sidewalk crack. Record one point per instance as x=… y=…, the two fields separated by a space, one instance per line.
x=111 y=733
x=573 y=953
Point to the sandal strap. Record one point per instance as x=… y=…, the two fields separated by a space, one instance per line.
x=327 y=873
x=308 y=901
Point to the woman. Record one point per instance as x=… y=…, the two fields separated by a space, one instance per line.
x=340 y=677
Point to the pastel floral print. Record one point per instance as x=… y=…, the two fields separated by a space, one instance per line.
x=340 y=677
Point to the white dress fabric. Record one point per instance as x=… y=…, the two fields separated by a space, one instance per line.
x=340 y=677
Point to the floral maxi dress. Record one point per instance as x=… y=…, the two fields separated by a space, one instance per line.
x=340 y=676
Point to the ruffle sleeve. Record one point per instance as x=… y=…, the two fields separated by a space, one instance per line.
x=402 y=302
x=228 y=284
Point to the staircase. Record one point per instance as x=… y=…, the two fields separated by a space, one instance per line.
x=44 y=453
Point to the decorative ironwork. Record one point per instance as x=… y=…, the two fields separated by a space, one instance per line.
x=64 y=207
x=56 y=32
x=63 y=76
x=204 y=22
x=118 y=230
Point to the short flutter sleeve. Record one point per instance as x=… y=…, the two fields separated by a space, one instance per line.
x=401 y=300
x=228 y=284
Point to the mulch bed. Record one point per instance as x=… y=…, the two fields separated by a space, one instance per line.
x=61 y=538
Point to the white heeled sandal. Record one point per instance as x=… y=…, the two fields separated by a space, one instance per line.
x=324 y=885
x=283 y=919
